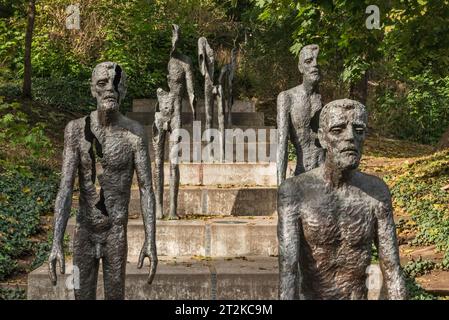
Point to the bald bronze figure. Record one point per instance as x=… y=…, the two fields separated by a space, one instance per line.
x=330 y=216
x=117 y=146
x=297 y=117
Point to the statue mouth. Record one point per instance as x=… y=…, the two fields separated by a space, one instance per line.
x=350 y=151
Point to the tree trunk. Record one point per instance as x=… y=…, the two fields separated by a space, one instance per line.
x=359 y=91
x=26 y=90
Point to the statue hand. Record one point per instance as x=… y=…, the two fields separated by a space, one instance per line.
x=56 y=254
x=150 y=253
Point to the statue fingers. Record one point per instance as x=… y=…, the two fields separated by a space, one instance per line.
x=153 y=267
x=141 y=259
x=61 y=262
x=52 y=270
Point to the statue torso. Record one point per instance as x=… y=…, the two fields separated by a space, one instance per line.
x=105 y=173
x=304 y=116
x=336 y=233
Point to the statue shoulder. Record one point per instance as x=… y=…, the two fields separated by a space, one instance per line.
x=374 y=186
x=74 y=128
x=133 y=127
x=297 y=187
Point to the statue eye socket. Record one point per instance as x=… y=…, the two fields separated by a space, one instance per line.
x=336 y=130
x=101 y=83
x=308 y=61
x=359 y=130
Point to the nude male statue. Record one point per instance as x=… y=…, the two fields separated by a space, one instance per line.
x=297 y=117
x=119 y=146
x=330 y=216
x=168 y=120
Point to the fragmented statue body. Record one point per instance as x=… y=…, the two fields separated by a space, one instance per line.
x=168 y=120
x=330 y=216
x=109 y=147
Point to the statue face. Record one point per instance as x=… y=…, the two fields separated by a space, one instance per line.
x=308 y=66
x=343 y=137
x=108 y=87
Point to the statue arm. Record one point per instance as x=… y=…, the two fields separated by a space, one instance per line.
x=283 y=121
x=388 y=249
x=63 y=202
x=288 y=239
x=147 y=203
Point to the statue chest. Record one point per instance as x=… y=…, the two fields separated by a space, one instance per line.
x=113 y=150
x=304 y=109
x=346 y=221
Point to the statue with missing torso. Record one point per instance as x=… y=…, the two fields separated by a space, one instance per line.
x=117 y=146
x=330 y=216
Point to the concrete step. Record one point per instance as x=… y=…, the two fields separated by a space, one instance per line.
x=149 y=105
x=215 y=201
x=238 y=118
x=234 y=152
x=242 y=174
x=249 y=278
x=240 y=134
x=238 y=174
x=436 y=282
x=219 y=237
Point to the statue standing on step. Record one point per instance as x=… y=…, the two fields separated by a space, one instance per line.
x=226 y=79
x=206 y=61
x=119 y=147
x=297 y=118
x=168 y=120
x=330 y=216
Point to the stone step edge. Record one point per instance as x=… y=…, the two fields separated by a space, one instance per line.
x=222 y=279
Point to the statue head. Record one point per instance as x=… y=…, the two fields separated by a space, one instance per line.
x=108 y=86
x=341 y=133
x=308 y=65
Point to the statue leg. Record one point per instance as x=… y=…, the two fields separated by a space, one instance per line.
x=221 y=121
x=114 y=263
x=174 y=171
x=209 y=109
x=159 y=148
x=85 y=266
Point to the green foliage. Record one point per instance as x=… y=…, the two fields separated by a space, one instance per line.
x=64 y=93
x=17 y=132
x=12 y=294
x=23 y=200
x=419 y=267
x=419 y=191
x=421 y=113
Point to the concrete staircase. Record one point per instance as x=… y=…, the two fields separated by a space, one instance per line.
x=225 y=245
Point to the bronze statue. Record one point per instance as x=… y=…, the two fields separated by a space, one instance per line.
x=226 y=79
x=120 y=147
x=168 y=119
x=206 y=61
x=330 y=216
x=297 y=117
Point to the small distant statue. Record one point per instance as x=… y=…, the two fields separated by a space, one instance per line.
x=330 y=216
x=168 y=120
x=298 y=112
x=119 y=147
x=226 y=79
x=206 y=61
x=220 y=94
